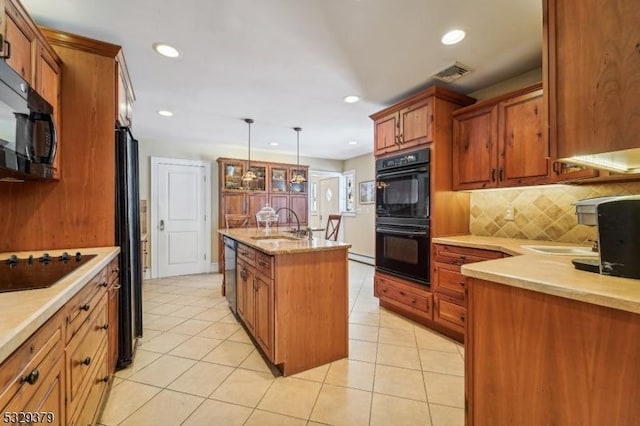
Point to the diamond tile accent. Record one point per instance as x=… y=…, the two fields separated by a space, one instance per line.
x=540 y=213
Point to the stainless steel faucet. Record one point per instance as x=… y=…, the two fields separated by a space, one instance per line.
x=297 y=231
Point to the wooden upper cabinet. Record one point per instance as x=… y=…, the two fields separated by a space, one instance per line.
x=408 y=127
x=385 y=134
x=592 y=75
x=125 y=96
x=475 y=149
x=48 y=83
x=522 y=140
x=20 y=42
x=416 y=122
x=501 y=142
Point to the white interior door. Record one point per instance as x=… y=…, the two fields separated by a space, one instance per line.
x=180 y=223
x=328 y=199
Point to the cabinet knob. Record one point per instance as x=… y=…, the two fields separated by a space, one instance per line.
x=103 y=284
x=86 y=361
x=105 y=379
x=462 y=283
x=32 y=377
x=413 y=301
x=105 y=326
x=384 y=290
x=85 y=307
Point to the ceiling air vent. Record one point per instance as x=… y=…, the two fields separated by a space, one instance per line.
x=452 y=72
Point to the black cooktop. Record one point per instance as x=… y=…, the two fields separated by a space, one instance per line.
x=38 y=272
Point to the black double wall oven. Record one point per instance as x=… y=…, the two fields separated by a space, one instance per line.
x=402 y=215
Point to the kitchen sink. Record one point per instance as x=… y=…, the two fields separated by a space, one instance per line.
x=562 y=250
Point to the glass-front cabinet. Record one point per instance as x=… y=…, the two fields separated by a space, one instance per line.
x=300 y=187
x=231 y=172
x=279 y=179
x=260 y=183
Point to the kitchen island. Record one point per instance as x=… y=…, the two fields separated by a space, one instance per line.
x=546 y=343
x=292 y=296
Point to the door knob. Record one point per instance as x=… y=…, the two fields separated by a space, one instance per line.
x=161 y=225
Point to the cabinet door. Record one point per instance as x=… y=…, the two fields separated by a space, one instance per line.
x=234 y=203
x=475 y=149
x=48 y=86
x=447 y=279
x=264 y=314
x=449 y=313
x=524 y=148
x=299 y=204
x=113 y=307
x=386 y=130
x=256 y=202
x=302 y=186
x=277 y=201
x=231 y=172
x=416 y=127
x=22 y=41
x=260 y=183
x=244 y=280
x=593 y=77
x=279 y=179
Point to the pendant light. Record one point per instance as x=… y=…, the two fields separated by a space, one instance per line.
x=298 y=177
x=249 y=175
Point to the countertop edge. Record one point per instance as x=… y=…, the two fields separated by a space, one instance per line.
x=70 y=285
x=243 y=236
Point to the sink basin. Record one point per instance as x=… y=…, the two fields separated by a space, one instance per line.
x=275 y=237
x=562 y=250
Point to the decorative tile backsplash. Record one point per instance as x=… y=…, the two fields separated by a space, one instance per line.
x=539 y=213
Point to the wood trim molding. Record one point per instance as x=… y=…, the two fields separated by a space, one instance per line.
x=85 y=44
x=437 y=91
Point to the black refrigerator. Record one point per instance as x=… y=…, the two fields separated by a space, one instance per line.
x=128 y=238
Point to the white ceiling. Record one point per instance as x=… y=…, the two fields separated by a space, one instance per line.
x=289 y=63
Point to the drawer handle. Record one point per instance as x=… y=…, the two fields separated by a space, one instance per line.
x=413 y=301
x=263 y=264
x=103 y=284
x=402 y=293
x=32 y=377
x=384 y=290
x=463 y=257
x=86 y=361
x=462 y=283
x=105 y=326
x=462 y=318
x=117 y=287
x=105 y=379
x=85 y=307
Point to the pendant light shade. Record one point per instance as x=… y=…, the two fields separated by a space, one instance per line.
x=297 y=176
x=249 y=175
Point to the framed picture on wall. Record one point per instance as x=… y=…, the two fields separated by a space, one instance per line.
x=367 y=192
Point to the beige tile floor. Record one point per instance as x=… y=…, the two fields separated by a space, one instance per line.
x=196 y=366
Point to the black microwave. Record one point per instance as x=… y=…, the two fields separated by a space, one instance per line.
x=27 y=131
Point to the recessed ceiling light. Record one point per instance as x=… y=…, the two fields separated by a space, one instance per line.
x=351 y=99
x=165 y=113
x=453 y=37
x=274 y=143
x=166 y=50
x=353 y=142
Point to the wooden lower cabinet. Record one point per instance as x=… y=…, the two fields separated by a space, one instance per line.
x=537 y=359
x=295 y=306
x=64 y=367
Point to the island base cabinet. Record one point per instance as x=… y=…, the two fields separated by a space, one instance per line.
x=537 y=359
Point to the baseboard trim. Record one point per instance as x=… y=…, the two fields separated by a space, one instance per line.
x=362 y=259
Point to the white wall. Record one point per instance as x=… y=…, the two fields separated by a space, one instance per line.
x=506 y=86
x=195 y=151
x=359 y=230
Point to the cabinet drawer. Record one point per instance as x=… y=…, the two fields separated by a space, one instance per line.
x=247 y=254
x=449 y=280
x=449 y=312
x=113 y=270
x=83 y=303
x=83 y=353
x=22 y=373
x=391 y=290
x=264 y=264
x=97 y=385
x=462 y=255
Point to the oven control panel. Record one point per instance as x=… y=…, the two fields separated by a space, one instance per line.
x=408 y=159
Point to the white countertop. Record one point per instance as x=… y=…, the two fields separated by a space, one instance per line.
x=544 y=273
x=23 y=312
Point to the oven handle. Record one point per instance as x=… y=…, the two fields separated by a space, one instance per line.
x=393 y=231
x=383 y=175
